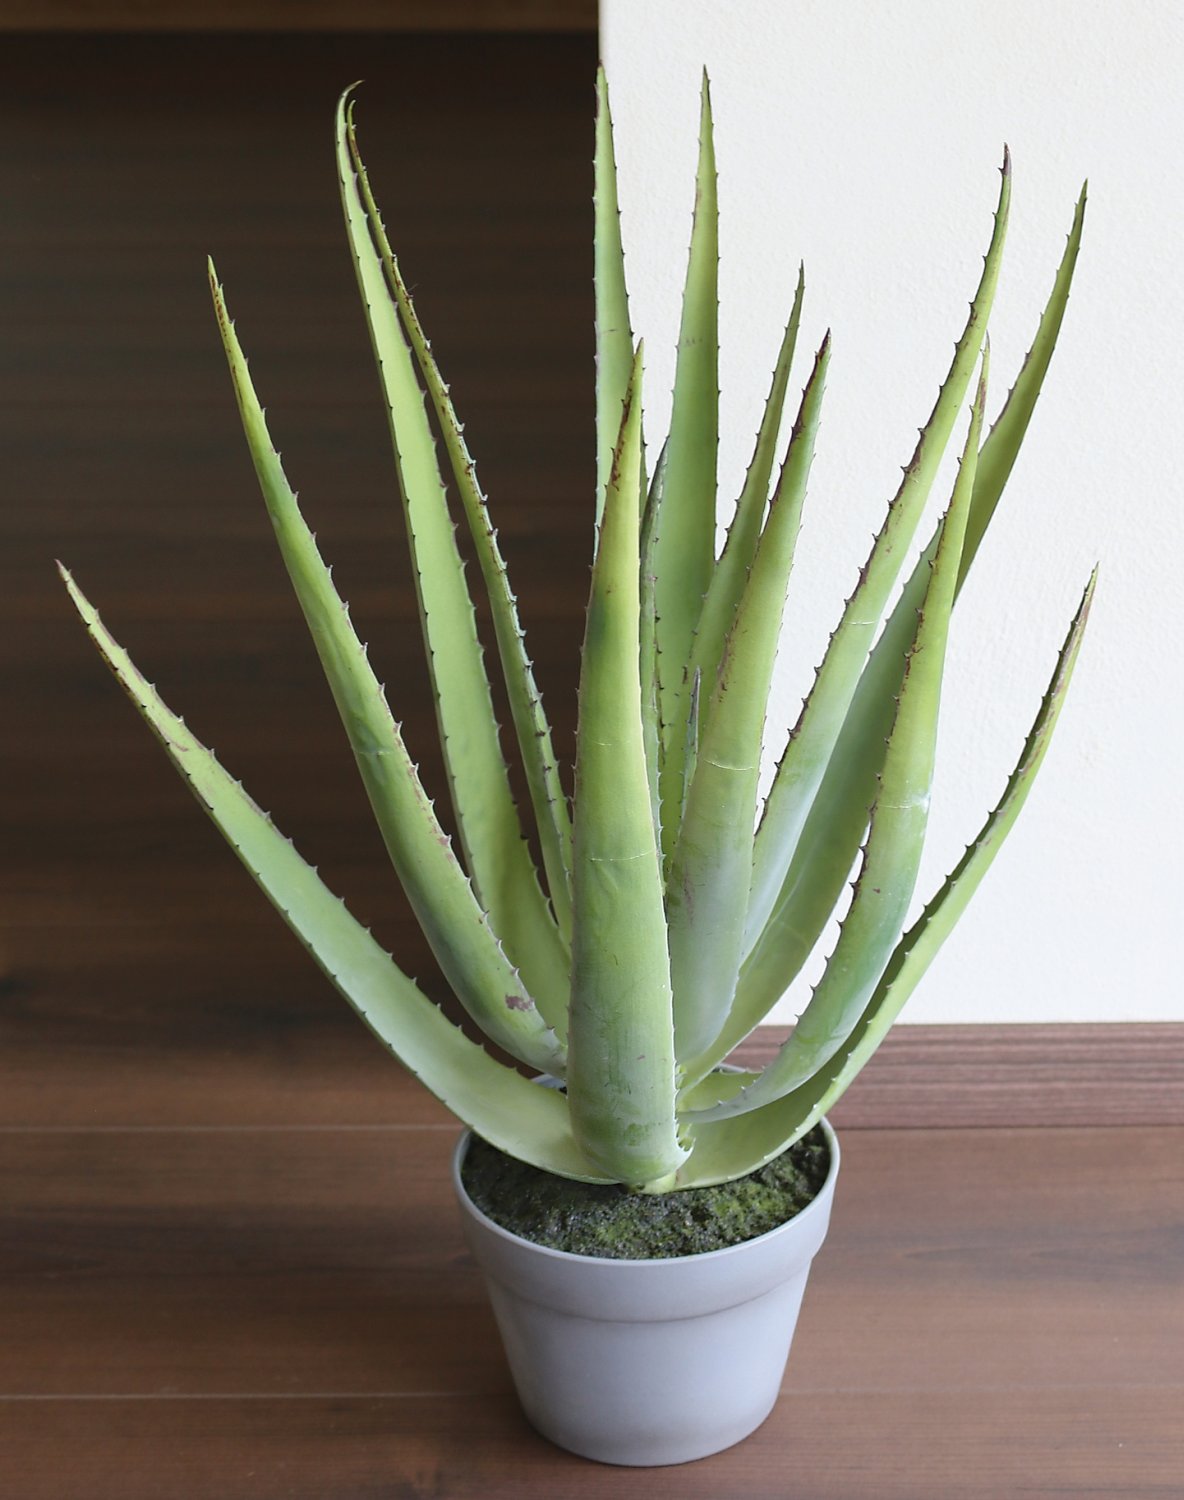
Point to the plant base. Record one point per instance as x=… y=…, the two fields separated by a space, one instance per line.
x=647 y=1362
x=613 y=1222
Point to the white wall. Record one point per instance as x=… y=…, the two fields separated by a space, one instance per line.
x=864 y=138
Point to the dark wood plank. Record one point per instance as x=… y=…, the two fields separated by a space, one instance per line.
x=304 y=1260
x=223 y=1019
x=1082 y=1074
x=1101 y=1443
x=297 y=15
x=1006 y=1299
x=126 y=160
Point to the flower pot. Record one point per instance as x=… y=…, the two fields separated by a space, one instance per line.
x=648 y=1361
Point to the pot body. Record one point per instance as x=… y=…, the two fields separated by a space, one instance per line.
x=648 y=1361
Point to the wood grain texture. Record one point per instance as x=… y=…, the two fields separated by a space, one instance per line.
x=299 y=1304
x=822 y=1445
x=1083 y=1074
x=298 y=15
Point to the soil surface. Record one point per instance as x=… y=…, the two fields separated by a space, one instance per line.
x=615 y=1223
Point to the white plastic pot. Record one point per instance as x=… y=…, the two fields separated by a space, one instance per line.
x=648 y=1361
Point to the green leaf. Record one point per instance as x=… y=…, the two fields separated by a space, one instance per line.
x=685 y=543
x=547 y=796
x=717 y=1086
x=831 y=835
x=491 y=836
x=813 y=739
x=731 y=571
x=707 y=892
x=651 y=714
x=614 y=337
x=730 y=1148
x=898 y=820
x=468 y=952
x=621 y=1073
x=527 y=1121
x=1002 y=446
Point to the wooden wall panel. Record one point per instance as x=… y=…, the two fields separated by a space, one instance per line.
x=299 y=15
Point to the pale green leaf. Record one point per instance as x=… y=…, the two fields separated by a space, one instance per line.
x=466 y=948
x=898 y=820
x=729 y=1148
x=548 y=799
x=614 y=337
x=707 y=890
x=685 y=542
x=497 y=856
x=813 y=739
x=527 y=1121
x=621 y=1073
x=731 y=570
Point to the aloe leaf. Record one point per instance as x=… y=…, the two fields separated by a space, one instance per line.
x=685 y=544
x=527 y=1121
x=812 y=741
x=621 y=1072
x=731 y=570
x=469 y=953
x=691 y=743
x=896 y=834
x=614 y=337
x=830 y=837
x=1002 y=446
x=715 y=1088
x=541 y=768
x=729 y=1148
x=496 y=853
x=707 y=890
x=651 y=714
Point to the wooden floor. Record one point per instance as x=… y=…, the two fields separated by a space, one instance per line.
x=229 y=1266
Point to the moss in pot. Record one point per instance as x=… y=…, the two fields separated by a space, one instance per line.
x=610 y=1221
x=673 y=906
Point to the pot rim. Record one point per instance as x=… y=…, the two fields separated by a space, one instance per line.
x=819 y=1203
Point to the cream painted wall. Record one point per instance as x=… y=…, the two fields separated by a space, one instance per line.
x=864 y=138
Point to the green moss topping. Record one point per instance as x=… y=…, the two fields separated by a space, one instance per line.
x=615 y=1223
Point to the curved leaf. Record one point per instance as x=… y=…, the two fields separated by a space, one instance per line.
x=707 y=892
x=466 y=948
x=527 y=1121
x=812 y=741
x=730 y=1148
x=496 y=853
x=830 y=838
x=547 y=796
x=898 y=819
x=730 y=573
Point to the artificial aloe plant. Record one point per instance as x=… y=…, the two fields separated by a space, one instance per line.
x=662 y=929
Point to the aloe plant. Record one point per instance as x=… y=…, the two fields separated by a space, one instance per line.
x=671 y=910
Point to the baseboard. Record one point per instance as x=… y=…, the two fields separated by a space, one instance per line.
x=1069 y=1074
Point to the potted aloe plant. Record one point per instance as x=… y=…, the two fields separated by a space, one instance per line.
x=672 y=908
